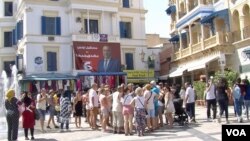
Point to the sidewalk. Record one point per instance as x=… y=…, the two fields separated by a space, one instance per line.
x=202 y=130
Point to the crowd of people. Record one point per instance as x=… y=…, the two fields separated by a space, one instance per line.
x=127 y=110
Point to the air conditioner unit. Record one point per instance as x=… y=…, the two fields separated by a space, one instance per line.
x=78 y=19
x=51 y=38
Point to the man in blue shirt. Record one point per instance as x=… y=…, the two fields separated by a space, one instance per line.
x=156 y=92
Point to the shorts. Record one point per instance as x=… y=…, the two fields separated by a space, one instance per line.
x=151 y=113
x=52 y=111
x=94 y=111
x=127 y=110
x=42 y=114
x=105 y=112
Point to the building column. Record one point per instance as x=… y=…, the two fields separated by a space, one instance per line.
x=190 y=35
x=187 y=6
x=88 y=21
x=177 y=9
x=114 y=24
x=202 y=37
x=180 y=41
x=102 y=22
x=242 y=25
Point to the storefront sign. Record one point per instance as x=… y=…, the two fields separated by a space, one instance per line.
x=139 y=73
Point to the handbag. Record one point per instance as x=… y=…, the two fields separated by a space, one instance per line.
x=146 y=112
x=37 y=116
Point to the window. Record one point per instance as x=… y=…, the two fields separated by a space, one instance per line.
x=8 y=9
x=7 y=67
x=125 y=30
x=51 y=25
x=93 y=26
x=129 y=61
x=125 y=3
x=51 y=61
x=7 y=39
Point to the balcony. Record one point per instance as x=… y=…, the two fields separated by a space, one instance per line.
x=218 y=39
x=246 y=32
x=185 y=52
x=236 y=35
x=95 y=38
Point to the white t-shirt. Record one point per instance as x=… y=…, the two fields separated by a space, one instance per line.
x=126 y=100
x=117 y=105
x=190 y=95
x=149 y=100
x=40 y=105
x=139 y=103
x=92 y=93
x=210 y=94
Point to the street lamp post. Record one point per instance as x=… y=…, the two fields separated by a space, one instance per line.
x=149 y=60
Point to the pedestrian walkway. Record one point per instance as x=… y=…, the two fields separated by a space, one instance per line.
x=202 y=130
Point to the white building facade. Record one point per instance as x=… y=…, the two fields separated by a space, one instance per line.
x=42 y=32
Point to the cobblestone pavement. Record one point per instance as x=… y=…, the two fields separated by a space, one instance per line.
x=202 y=130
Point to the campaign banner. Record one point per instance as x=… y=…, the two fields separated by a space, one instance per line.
x=97 y=56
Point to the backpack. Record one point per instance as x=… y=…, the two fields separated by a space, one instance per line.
x=236 y=92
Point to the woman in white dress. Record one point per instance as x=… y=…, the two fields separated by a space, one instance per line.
x=169 y=106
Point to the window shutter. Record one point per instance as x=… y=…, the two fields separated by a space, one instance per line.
x=21 y=29
x=126 y=3
x=54 y=61
x=13 y=37
x=129 y=61
x=49 y=61
x=43 y=23
x=86 y=25
x=17 y=31
x=128 y=28
x=58 y=25
x=122 y=29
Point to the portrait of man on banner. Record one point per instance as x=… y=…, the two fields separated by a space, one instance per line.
x=97 y=56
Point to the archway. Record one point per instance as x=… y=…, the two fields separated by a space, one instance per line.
x=246 y=27
x=236 y=26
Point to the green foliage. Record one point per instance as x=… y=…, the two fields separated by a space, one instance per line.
x=230 y=76
x=199 y=88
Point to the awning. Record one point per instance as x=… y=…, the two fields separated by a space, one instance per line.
x=176 y=38
x=209 y=19
x=171 y=9
x=177 y=72
x=49 y=76
x=201 y=63
x=100 y=73
x=164 y=77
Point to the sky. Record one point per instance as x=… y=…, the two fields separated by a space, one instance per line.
x=157 y=21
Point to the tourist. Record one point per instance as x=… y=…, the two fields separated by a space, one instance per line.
x=52 y=110
x=117 y=110
x=210 y=99
x=78 y=108
x=169 y=106
x=65 y=112
x=190 y=101
x=149 y=96
x=41 y=107
x=104 y=108
x=93 y=105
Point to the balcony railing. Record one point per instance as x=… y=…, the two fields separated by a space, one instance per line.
x=219 y=38
x=181 y=14
x=95 y=37
x=246 y=32
x=210 y=42
x=177 y=55
x=196 y=48
x=185 y=52
x=236 y=35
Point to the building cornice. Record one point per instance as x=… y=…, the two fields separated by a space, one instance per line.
x=94 y=2
x=133 y=10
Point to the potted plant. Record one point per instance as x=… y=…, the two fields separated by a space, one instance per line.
x=199 y=87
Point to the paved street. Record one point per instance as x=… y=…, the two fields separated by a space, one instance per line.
x=202 y=130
